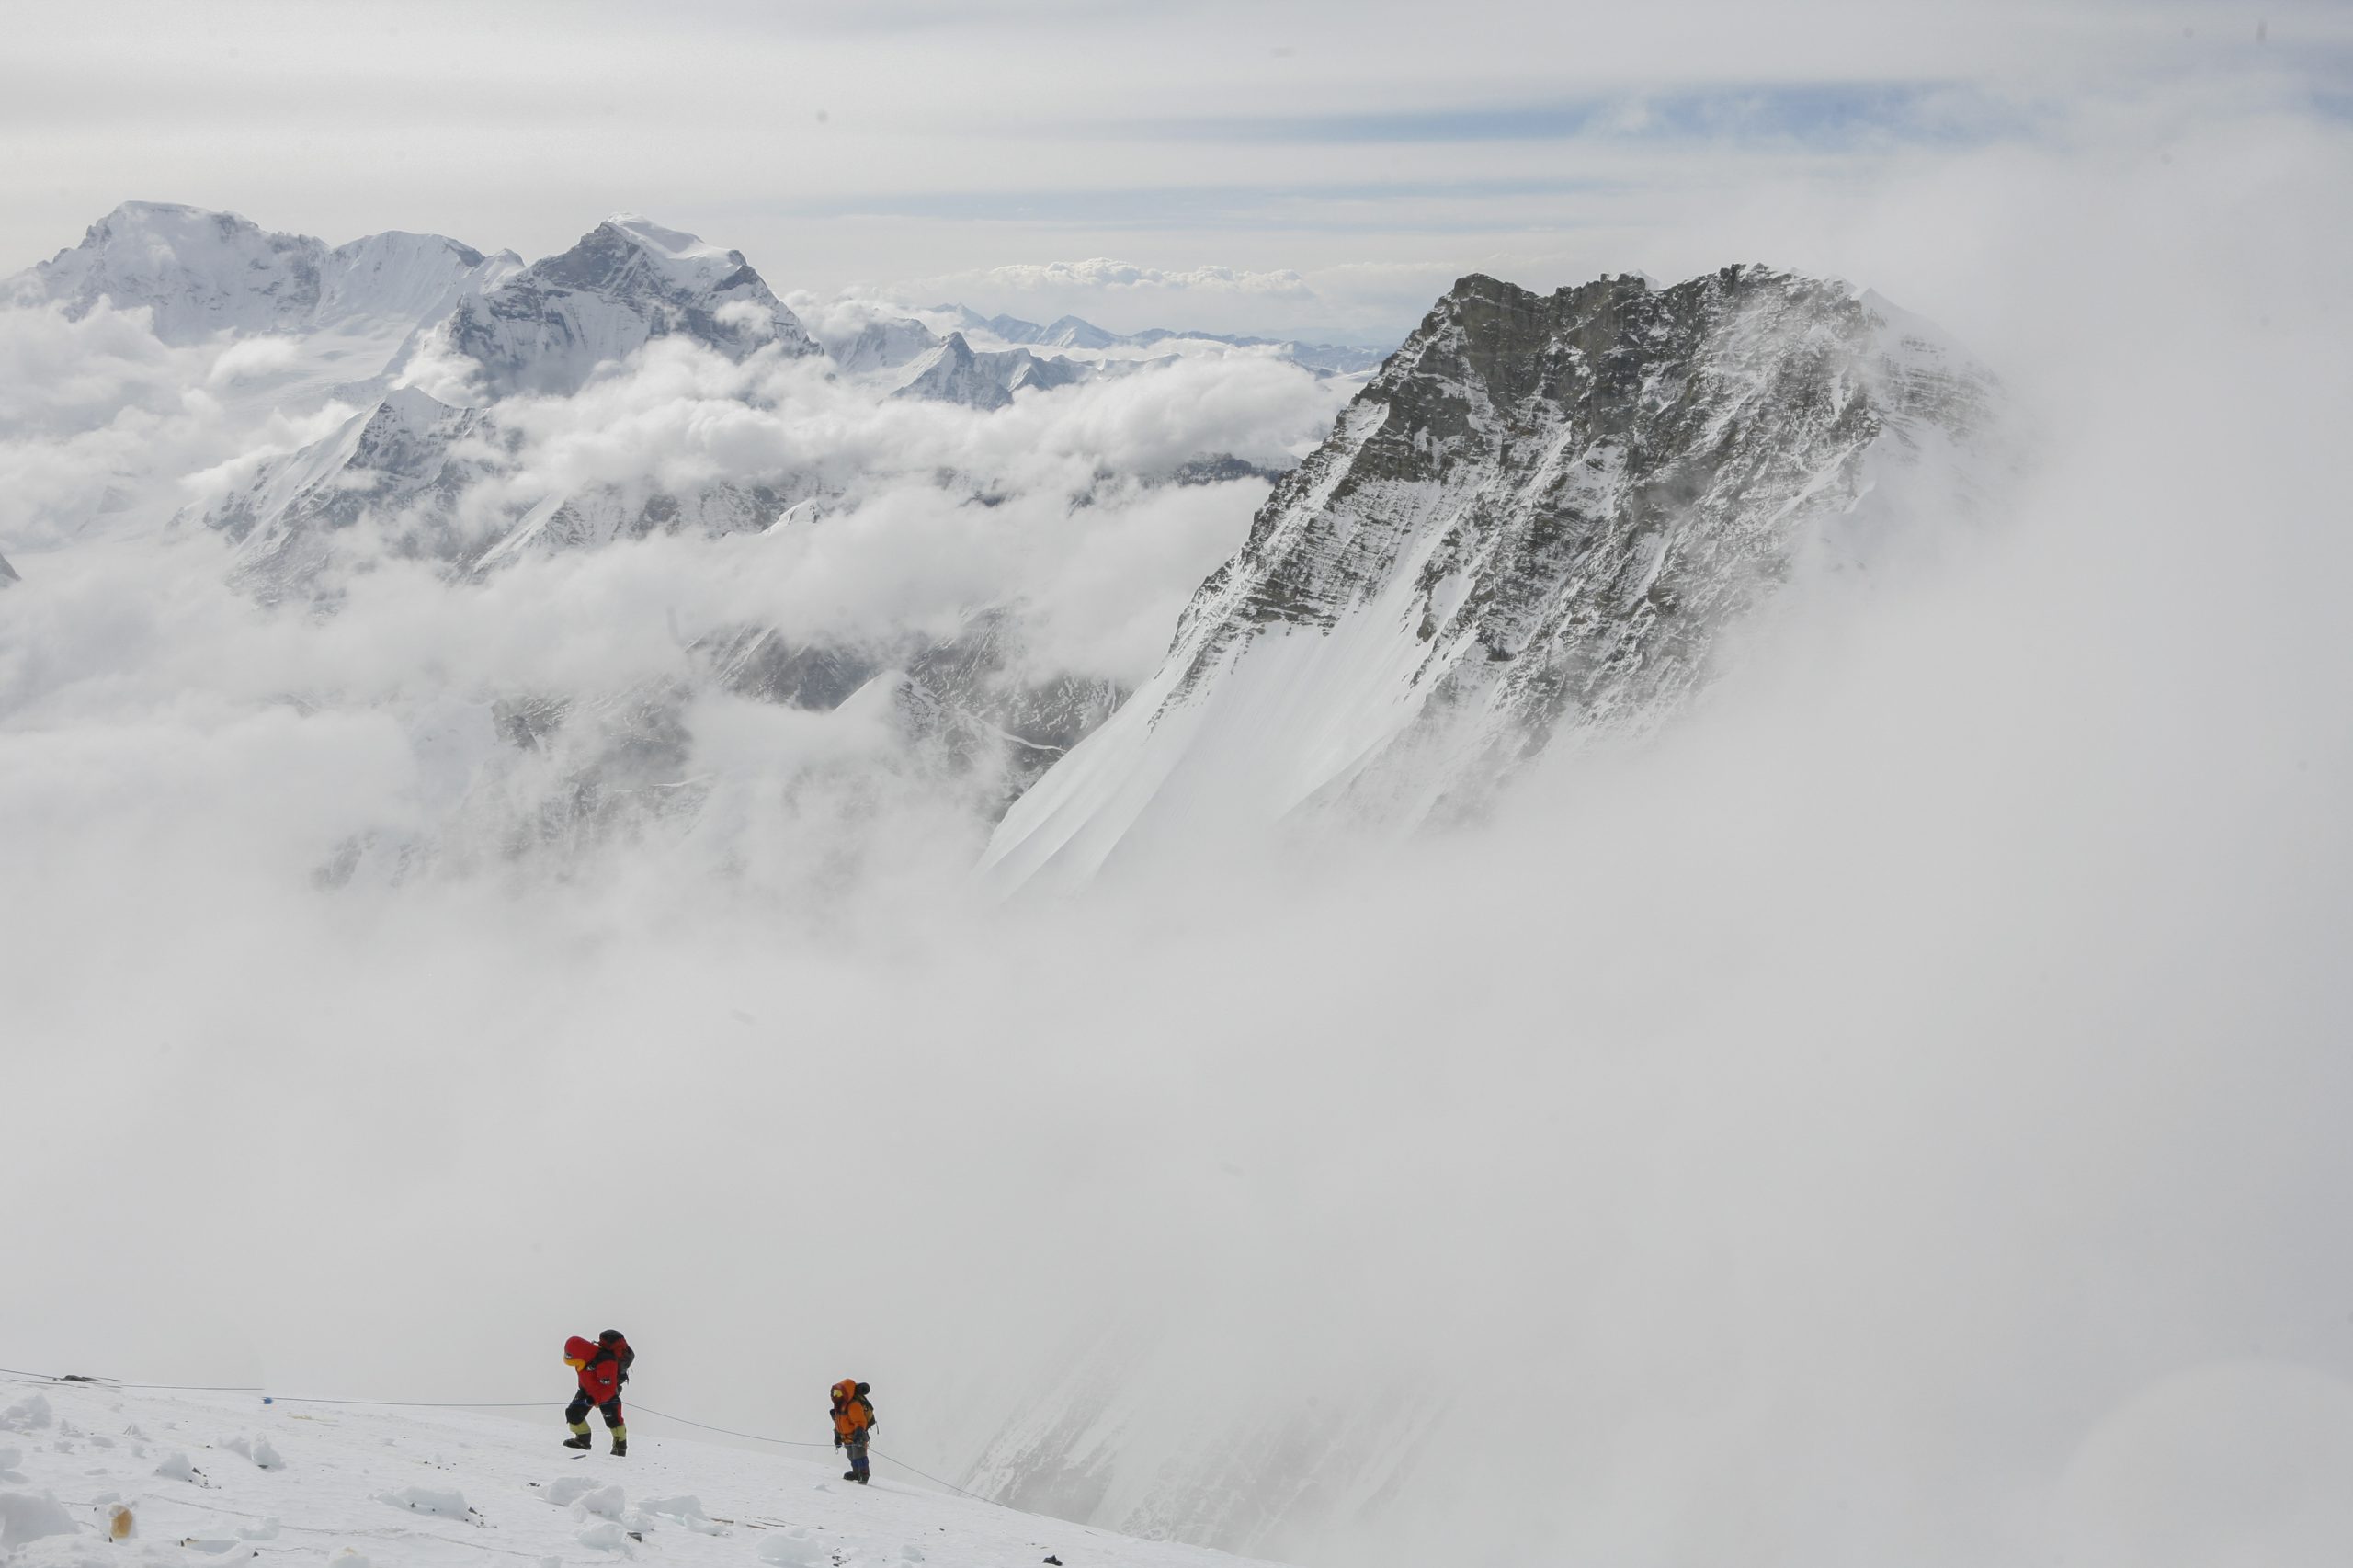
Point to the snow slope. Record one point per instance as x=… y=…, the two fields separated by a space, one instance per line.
x=216 y=1480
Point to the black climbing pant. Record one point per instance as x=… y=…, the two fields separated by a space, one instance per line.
x=577 y=1413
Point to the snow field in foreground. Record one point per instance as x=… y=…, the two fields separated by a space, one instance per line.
x=221 y=1480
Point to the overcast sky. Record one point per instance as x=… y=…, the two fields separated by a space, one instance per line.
x=1312 y=167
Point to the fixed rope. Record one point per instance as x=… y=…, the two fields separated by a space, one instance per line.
x=111 y=1383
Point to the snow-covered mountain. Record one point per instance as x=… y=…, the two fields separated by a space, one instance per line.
x=401 y=463
x=407 y=461
x=97 y=1476
x=1538 y=518
x=326 y=321
x=885 y=344
x=200 y=272
x=1072 y=331
x=955 y=373
x=628 y=281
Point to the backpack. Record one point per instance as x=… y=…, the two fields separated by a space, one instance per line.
x=618 y=1349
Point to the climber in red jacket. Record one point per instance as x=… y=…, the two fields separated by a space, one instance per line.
x=603 y=1365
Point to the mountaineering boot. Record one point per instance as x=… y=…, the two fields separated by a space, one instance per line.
x=579 y=1442
x=620 y=1447
x=850 y=1475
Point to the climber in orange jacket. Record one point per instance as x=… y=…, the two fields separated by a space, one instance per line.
x=854 y=1422
x=603 y=1367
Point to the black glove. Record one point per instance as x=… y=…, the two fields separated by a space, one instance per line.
x=837 y=1442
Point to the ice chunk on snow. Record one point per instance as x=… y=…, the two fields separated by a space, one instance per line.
x=260 y=1530
x=29 y=1414
x=177 y=1466
x=9 y=1459
x=792 y=1551
x=604 y=1534
x=23 y=1517
x=444 y=1501
x=687 y=1511
x=256 y=1449
x=569 y=1489
x=606 y=1500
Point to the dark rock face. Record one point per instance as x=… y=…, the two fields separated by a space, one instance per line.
x=976 y=697
x=1220 y=468
x=988 y=688
x=1537 y=517
x=1617 y=468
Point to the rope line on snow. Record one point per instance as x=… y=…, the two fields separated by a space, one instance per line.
x=644 y=1408
x=423 y=1404
x=111 y=1383
x=637 y=1405
x=933 y=1479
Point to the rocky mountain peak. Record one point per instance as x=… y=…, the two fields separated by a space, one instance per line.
x=1537 y=517
x=550 y=329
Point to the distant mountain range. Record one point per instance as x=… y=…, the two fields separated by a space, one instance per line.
x=435 y=345
x=429 y=337
x=1071 y=332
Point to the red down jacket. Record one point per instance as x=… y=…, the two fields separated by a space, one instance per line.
x=600 y=1369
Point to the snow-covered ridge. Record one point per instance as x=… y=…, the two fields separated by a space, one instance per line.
x=551 y=327
x=93 y=1476
x=200 y=272
x=1538 y=518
